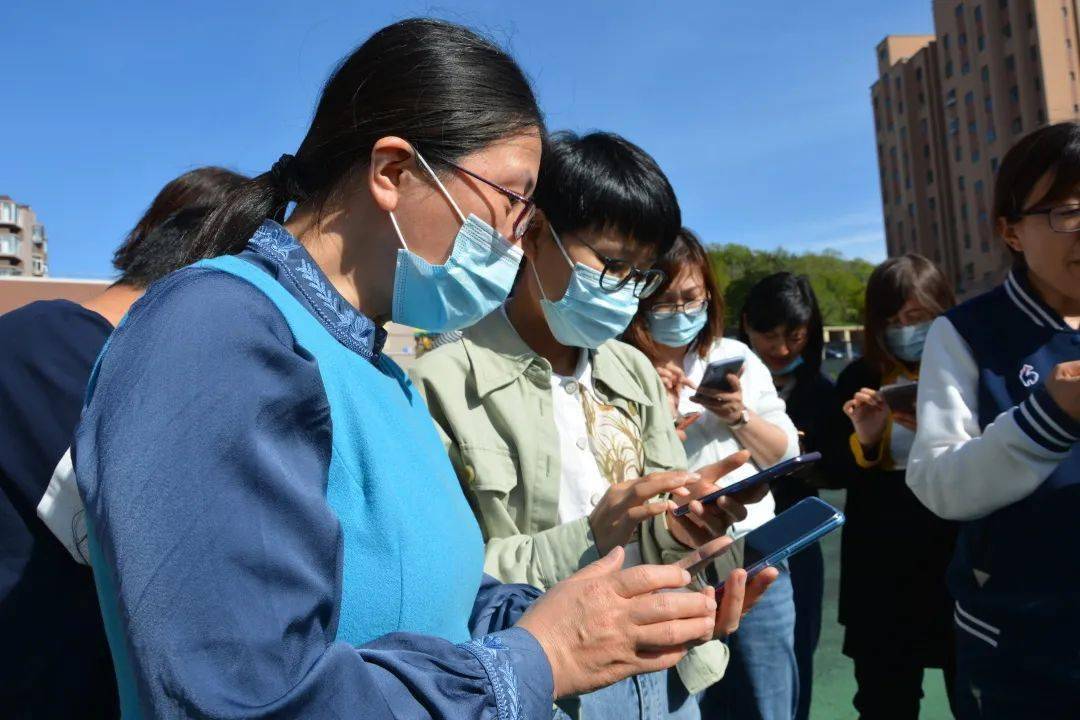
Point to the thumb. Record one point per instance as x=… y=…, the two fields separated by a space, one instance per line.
x=612 y=562
x=714 y=472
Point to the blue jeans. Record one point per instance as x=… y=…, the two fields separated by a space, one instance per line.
x=644 y=697
x=762 y=680
x=808 y=584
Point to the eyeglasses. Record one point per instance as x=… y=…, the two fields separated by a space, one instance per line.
x=690 y=307
x=1064 y=219
x=618 y=272
x=528 y=210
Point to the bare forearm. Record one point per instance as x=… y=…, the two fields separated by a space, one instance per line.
x=766 y=442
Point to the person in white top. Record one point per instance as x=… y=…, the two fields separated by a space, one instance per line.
x=680 y=328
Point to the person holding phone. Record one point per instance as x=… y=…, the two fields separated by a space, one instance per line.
x=781 y=323
x=559 y=433
x=998 y=445
x=273 y=523
x=680 y=328
x=893 y=602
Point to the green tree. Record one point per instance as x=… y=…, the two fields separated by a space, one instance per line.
x=839 y=283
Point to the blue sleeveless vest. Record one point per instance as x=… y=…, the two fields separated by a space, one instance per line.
x=411 y=555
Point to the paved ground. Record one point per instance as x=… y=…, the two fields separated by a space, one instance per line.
x=834 y=677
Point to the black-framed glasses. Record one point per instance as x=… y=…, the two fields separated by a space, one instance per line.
x=690 y=307
x=618 y=272
x=528 y=209
x=1063 y=219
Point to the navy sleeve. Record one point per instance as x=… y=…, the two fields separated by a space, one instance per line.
x=500 y=605
x=202 y=458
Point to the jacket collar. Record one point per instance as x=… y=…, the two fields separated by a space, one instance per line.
x=349 y=326
x=1025 y=298
x=499 y=356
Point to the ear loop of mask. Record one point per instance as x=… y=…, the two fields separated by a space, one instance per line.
x=532 y=265
x=446 y=193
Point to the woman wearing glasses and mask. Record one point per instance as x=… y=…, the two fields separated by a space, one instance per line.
x=680 y=328
x=998 y=446
x=274 y=525
x=559 y=433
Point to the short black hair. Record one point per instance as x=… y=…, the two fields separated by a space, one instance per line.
x=602 y=181
x=158 y=244
x=785 y=300
x=1054 y=148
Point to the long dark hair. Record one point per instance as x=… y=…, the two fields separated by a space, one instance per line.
x=892 y=284
x=687 y=252
x=1054 y=148
x=439 y=86
x=787 y=301
x=147 y=254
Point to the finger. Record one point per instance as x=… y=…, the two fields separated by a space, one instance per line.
x=751 y=495
x=642 y=579
x=655 y=660
x=710 y=592
x=640 y=513
x=736 y=383
x=732 y=508
x=731 y=603
x=757 y=586
x=704 y=553
x=712 y=473
x=662 y=607
x=652 y=485
x=687 y=382
x=604 y=566
x=674 y=633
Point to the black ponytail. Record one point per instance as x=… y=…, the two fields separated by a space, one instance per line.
x=440 y=86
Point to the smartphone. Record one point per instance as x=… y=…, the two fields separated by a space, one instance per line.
x=900 y=396
x=780 y=470
x=789 y=532
x=715 y=377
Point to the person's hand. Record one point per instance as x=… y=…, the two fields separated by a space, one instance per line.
x=905 y=419
x=737 y=597
x=707 y=521
x=625 y=505
x=869 y=414
x=728 y=406
x=674 y=380
x=683 y=422
x=603 y=624
x=1063 y=385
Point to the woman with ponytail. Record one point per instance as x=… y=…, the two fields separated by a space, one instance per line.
x=274 y=525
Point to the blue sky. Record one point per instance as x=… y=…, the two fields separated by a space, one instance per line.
x=759 y=112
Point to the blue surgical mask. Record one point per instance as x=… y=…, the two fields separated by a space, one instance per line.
x=789 y=368
x=475 y=280
x=586 y=316
x=906 y=341
x=677 y=329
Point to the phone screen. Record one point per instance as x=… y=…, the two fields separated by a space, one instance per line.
x=715 y=376
x=804 y=522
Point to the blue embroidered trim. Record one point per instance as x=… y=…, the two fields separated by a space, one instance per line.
x=500 y=672
x=353 y=329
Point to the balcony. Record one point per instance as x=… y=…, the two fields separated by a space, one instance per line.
x=38 y=235
x=9 y=215
x=9 y=246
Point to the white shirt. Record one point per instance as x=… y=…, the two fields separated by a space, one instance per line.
x=709 y=440
x=581 y=485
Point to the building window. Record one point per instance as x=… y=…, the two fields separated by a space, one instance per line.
x=954 y=126
x=918 y=74
x=881 y=53
x=948 y=68
x=965 y=68
x=1031 y=20
x=975 y=155
x=929 y=177
x=926 y=151
x=1017 y=126
x=980 y=42
x=38 y=265
x=1014 y=94
x=963 y=211
x=911 y=210
x=969 y=98
x=9 y=213
x=967 y=241
x=1006 y=30
x=931 y=203
x=38 y=234
x=993 y=164
x=985 y=72
x=959 y=154
x=897 y=82
x=1010 y=63
x=978 y=12
x=950 y=97
x=1040 y=116
x=969 y=270
x=961 y=39
x=988 y=105
x=900 y=106
x=9 y=272
x=960 y=10
x=991 y=135
x=1034 y=53
x=960 y=182
x=923 y=126
x=922 y=99
x=9 y=244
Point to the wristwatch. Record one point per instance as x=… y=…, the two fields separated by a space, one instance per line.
x=742 y=422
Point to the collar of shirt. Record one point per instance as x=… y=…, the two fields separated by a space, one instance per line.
x=499 y=356
x=294 y=268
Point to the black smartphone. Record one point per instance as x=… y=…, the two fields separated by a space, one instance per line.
x=780 y=470
x=715 y=377
x=900 y=396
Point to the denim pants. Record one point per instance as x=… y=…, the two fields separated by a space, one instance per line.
x=644 y=697
x=762 y=680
